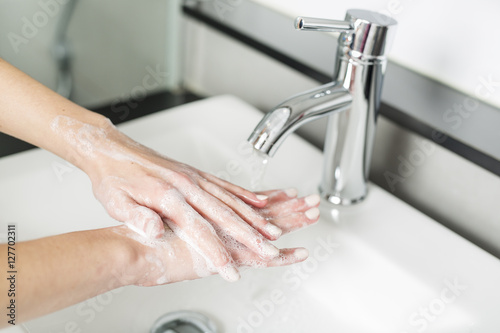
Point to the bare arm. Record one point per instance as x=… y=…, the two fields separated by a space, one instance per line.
x=58 y=271
x=27 y=109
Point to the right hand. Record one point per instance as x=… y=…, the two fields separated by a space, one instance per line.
x=170 y=259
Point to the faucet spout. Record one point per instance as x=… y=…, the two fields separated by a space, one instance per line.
x=300 y=109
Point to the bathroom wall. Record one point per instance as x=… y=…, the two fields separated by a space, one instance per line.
x=24 y=45
x=451 y=41
x=447 y=187
x=116 y=44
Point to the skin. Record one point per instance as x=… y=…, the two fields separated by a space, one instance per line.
x=51 y=277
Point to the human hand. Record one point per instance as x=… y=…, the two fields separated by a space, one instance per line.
x=143 y=189
x=288 y=212
x=169 y=259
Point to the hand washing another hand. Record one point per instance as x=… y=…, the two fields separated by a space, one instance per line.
x=158 y=198
x=173 y=206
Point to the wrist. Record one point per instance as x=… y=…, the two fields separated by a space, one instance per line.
x=81 y=136
x=129 y=256
x=126 y=256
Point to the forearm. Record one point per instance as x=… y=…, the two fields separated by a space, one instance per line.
x=28 y=110
x=56 y=272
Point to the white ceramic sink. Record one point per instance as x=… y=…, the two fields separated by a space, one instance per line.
x=379 y=266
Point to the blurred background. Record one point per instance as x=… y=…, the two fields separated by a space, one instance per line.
x=109 y=45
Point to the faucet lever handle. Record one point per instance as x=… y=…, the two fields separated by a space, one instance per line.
x=318 y=24
x=369 y=33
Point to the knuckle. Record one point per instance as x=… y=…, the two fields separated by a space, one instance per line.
x=183 y=179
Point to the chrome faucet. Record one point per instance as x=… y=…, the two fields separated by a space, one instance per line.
x=351 y=103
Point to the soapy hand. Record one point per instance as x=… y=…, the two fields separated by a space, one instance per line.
x=169 y=259
x=144 y=190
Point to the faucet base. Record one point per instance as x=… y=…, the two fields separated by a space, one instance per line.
x=338 y=200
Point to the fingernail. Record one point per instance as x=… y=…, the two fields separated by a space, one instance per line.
x=153 y=231
x=262 y=197
x=312 y=214
x=269 y=250
x=229 y=273
x=301 y=254
x=312 y=200
x=291 y=192
x=273 y=230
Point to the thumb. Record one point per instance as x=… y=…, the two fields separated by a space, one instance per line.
x=140 y=219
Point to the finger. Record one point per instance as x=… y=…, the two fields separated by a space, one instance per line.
x=286 y=257
x=289 y=257
x=251 y=198
x=247 y=213
x=193 y=229
x=138 y=218
x=297 y=220
x=290 y=206
x=147 y=221
x=219 y=214
x=279 y=195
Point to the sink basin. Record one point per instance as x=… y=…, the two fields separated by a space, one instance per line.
x=379 y=266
